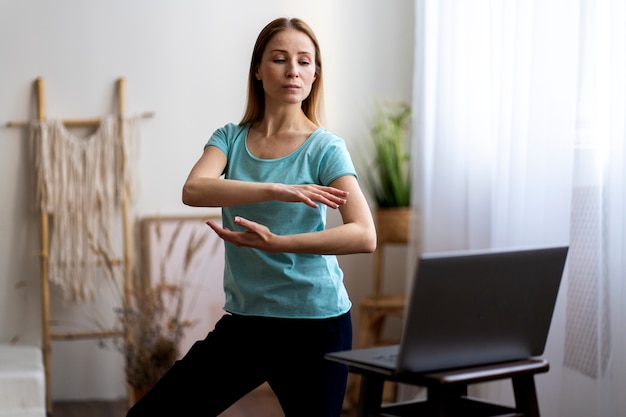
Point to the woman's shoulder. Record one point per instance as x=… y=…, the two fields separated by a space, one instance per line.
x=232 y=129
x=228 y=133
x=325 y=136
x=327 y=140
x=227 y=137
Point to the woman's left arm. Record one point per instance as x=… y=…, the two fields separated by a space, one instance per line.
x=356 y=234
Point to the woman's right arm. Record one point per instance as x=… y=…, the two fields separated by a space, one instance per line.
x=205 y=188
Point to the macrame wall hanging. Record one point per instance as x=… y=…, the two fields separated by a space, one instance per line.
x=80 y=185
x=83 y=183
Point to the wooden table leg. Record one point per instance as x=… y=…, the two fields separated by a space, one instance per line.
x=442 y=399
x=526 y=395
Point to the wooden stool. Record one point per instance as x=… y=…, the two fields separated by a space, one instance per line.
x=373 y=312
x=447 y=391
x=392 y=228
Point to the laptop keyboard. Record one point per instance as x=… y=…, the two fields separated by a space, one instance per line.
x=388 y=357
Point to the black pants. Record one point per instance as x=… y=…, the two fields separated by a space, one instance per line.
x=243 y=352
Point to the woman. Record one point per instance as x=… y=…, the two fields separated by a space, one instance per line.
x=274 y=174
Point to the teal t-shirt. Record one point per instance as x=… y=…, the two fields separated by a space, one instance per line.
x=284 y=285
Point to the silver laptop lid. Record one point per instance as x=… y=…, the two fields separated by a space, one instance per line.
x=478 y=307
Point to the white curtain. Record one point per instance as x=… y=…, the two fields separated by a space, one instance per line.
x=519 y=122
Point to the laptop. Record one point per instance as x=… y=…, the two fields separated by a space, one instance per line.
x=471 y=308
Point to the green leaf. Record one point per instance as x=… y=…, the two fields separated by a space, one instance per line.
x=389 y=177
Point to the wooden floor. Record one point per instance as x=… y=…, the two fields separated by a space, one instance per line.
x=259 y=403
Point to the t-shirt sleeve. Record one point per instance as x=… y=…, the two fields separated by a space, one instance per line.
x=219 y=139
x=336 y=162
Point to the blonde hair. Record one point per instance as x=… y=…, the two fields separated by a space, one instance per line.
x=255 y=106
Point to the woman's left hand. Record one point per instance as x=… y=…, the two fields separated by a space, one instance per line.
x=255 y=235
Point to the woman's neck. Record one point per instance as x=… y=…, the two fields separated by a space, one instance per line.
x=274 y=123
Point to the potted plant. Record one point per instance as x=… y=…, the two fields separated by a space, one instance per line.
x=153 y=327
x=389 y=175
x=151 y=322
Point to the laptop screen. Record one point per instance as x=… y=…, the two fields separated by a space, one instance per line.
x=478 y=307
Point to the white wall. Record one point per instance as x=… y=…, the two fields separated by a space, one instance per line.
x=187 y=61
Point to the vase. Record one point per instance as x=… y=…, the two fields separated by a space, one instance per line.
x=393 y=224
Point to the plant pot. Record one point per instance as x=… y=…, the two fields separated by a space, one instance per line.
x=393 y=224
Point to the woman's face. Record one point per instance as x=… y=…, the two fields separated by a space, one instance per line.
x=287 y=68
